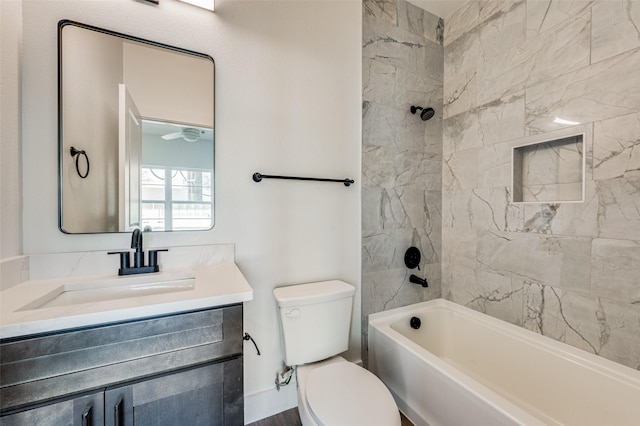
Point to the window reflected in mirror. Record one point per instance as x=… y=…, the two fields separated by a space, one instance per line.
x=176 y=177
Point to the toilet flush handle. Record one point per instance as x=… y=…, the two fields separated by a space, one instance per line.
x=294 y=313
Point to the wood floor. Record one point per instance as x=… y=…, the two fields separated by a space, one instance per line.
x=291 y=418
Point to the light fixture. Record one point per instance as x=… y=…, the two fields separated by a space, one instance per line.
x=205 y=4
x=563 y=121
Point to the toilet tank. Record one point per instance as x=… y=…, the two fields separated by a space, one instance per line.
x=315 y=320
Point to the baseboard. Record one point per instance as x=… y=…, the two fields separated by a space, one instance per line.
x=260 y=405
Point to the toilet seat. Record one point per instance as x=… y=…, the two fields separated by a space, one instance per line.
x=343 y=393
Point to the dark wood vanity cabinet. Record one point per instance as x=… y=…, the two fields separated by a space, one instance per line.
x=85 y=410
x=179 y=369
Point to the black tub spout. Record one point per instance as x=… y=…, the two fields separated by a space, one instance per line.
x=417 y=280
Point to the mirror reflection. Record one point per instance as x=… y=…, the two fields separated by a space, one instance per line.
x=143 y=115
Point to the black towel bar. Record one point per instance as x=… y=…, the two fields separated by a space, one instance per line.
x=257 y=177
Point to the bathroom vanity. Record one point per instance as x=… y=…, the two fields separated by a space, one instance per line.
x=163 y=369
x=164 y=358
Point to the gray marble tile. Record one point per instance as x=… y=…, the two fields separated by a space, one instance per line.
x=481 y=43
x=550 y=192
x=461 y=21
x=409 y=206
x=392 y=45
x=460 y=170
x=493 y=9
x=386 y=167
x=371 y=208
x=378 y=82
x=419 y=89
x=459 y=93
x=378 y=167
x=456 y=210
x=433 y=131
x=391 y=288
x=384 y=249
x=616 y=147
x=495 y=122
x=393 y=127
x=615 y=269
x=401 y=155
x=551 y=171
x=597 y=92
x=430 y=236
x=619 y=208
x=504 y=27
x=600 y=326
x=411 y=17
x=564 y=219
x=533 y=310
x=400 y=206
x=495 y=165
x=549 y=15
x=492 y=210
x=487 y=292
x=559 y=161
x=535 y=61
x=458 y=235
x=615 y=28
x=418 y=21
x=385 y=10
x=457 y=253
x=464 y=54
x=559 y=261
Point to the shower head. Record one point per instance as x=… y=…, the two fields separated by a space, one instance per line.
x=426 y=113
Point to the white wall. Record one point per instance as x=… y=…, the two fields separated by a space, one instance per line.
x=288 y=83
x=10 y=169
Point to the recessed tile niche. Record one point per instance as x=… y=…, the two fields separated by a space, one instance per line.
x=550 y=170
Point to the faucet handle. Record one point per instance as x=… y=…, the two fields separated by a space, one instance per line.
x=124 y=260
x=153 y=256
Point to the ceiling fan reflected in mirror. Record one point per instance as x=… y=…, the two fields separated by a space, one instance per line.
x=189 y=134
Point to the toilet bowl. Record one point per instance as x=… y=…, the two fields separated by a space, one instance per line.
x=315 y=320
x=336 y=392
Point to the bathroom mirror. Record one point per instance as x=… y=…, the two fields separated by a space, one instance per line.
x=136 y=133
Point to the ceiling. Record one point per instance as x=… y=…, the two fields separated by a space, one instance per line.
x=441 y=8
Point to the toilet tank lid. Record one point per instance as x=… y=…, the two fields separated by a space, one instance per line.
x=317 y=292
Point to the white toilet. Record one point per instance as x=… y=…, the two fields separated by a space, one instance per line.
x=315 y=321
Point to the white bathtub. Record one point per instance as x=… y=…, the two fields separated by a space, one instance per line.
x=466 y=368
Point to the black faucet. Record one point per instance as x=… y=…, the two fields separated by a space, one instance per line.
x=138 y=257
x=136 y=243
x=417 y=280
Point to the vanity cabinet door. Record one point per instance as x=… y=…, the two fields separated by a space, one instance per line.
x=190 y=397
x=118 y=406
x=82 y=411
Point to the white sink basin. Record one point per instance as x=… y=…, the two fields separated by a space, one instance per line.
x=76 y=293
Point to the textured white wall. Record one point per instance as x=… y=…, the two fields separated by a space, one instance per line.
x=288 y=93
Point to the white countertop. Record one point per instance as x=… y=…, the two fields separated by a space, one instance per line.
x=215 y=285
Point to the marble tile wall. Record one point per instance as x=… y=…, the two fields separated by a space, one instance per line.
x=401 y=154
x=570 y=271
